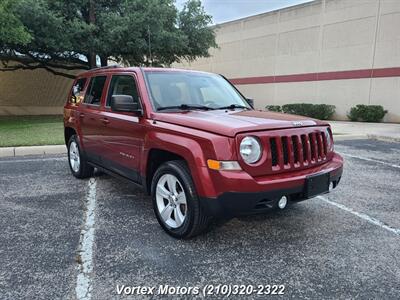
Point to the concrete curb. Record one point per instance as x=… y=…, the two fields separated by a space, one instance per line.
x=33 y=150
x=61 y=149
x=383 y=138
x=346 y=137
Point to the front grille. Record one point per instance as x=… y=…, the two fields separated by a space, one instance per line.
x=291 y=151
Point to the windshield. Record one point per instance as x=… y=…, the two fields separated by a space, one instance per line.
x=190 y=90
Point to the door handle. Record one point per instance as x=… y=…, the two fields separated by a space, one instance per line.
x=81 y=115
x=105 y=121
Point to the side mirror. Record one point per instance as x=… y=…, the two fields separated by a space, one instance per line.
x=250 y=102
x=124 y=103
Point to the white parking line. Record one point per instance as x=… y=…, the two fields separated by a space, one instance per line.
x=34 y=160
x=371 y=159
x=85 y=252
x=363 y=216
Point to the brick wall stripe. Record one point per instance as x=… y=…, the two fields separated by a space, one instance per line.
x=334 y=75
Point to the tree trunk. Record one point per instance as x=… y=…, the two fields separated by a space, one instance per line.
x=104 y=60
x=92 y=60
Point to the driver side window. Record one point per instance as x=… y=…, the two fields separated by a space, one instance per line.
x=123 y=85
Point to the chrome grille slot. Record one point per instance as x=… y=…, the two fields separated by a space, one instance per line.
x=296 y=152
x=312 y=146
x=293 y=151
x=304 y=142
x=285 y=150
x=274 y=151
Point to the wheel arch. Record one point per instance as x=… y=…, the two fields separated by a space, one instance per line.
x=68 y=132
x=156 y=157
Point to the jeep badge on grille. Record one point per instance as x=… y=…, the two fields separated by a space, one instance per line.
x=297 y=123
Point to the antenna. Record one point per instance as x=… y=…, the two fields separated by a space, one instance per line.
x=148 y=33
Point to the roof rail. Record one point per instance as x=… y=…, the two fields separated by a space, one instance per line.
x=106 y=67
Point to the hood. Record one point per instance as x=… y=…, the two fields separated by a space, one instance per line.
x=230 y=122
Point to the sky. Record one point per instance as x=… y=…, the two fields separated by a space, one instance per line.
x=227 y=10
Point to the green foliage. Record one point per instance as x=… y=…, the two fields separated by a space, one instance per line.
x=134 y=32
x=276 y=108
x=367 y=113
x=11 y=28
x=317 y=111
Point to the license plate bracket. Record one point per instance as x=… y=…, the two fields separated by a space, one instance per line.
x=317 y=184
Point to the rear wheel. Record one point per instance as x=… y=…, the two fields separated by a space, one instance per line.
x=77 y=161
x=175 y=201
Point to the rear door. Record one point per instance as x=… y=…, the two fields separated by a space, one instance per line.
x=89 y=114
x=123 y=133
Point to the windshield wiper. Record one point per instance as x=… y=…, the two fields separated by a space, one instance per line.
x=232 y=106
x=185 y=107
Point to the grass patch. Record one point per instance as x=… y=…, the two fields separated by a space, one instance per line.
x=31 y=130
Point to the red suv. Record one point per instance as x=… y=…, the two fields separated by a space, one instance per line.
x=195 y=144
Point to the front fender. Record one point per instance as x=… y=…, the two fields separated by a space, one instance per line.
x=191 y=150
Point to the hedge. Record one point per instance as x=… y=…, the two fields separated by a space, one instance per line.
x=316 y=111
x=367 y=113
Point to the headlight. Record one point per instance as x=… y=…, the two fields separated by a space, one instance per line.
x=250 y=149
x=329 y=140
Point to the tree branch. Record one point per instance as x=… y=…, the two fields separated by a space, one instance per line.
x=35 y=67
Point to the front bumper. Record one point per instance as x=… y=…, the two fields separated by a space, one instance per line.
x=293 y=186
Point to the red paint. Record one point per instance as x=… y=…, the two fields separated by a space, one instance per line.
x=124 y=142
x=334 y=75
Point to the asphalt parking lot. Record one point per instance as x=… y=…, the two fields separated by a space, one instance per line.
x=343 y=245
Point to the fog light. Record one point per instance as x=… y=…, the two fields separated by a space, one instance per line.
x=331 y=185
x=282 y=202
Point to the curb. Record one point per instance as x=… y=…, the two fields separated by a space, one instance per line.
x=346 y=137
x=61 y=149
x=384 y=138
x=33 y=150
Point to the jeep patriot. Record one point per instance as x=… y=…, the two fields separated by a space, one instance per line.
x=195 y=144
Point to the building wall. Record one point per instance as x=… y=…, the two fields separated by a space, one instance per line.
x=341 y=52
x=32 y=92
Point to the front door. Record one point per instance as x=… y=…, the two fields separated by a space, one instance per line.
x=123 y=133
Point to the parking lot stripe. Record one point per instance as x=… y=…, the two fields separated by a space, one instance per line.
x=371 y=160
x=85 y=252
x=363 y=216
x=34 y=160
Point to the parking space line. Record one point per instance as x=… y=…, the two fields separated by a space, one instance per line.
x=85 y=252
x=363 y=216
x=371 y=160
x=34 y=160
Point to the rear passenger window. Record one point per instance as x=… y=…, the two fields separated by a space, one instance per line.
x=122 y=85
x=95 y=90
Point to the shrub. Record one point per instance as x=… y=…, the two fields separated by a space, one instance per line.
x=276 y=108
x=317 y=111
x=367 y=113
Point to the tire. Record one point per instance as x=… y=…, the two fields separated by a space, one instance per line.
x=195 y=221
x=77 y=161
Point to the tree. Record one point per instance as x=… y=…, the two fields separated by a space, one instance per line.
x=59 y=35
x=12 y=31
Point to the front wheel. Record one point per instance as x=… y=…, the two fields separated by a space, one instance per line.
x=175 y=201
x=77 y=161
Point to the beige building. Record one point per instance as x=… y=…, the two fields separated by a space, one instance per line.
x=341 y=52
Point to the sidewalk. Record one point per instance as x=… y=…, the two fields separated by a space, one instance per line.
x=359 y=130
x=341 y=131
